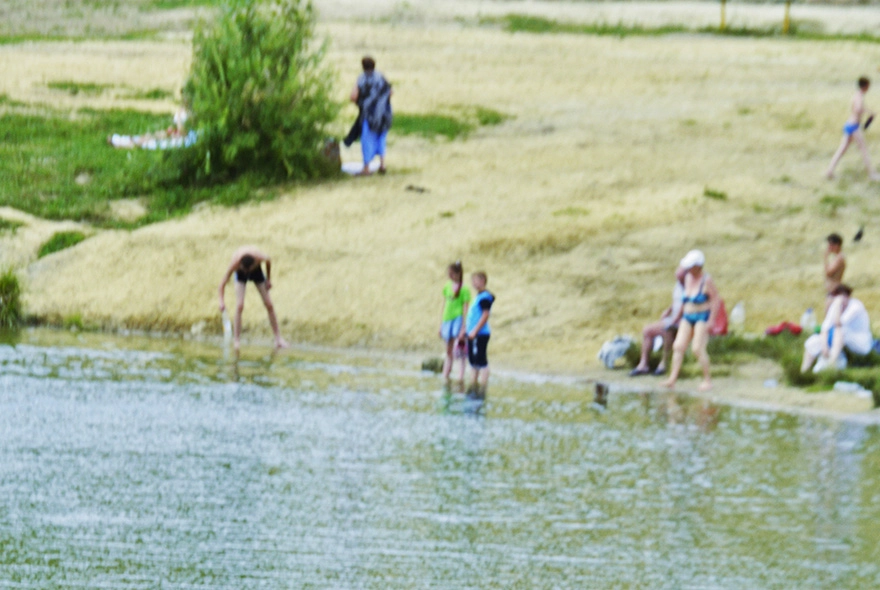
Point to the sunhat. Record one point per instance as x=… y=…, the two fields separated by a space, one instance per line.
x=692 y=259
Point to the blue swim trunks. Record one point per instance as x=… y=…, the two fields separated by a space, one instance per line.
x=850 y=128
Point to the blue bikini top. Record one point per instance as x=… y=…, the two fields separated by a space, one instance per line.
x=700 y=297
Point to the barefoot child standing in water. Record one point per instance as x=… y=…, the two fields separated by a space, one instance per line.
x=478 y=332
x=247 y=265
x=456 y=297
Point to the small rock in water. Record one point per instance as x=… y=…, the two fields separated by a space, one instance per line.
x=435 y=365
x=83 y=178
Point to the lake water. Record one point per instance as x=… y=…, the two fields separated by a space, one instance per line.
x=146 y=463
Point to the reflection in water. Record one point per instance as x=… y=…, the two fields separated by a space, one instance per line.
x=173 y=465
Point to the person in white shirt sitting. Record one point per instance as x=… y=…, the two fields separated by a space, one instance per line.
x=846 y=325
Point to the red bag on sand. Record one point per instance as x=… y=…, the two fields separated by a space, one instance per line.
x=719 y=328
x=780 y=328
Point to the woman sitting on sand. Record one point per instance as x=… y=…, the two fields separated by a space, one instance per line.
x=699 y=307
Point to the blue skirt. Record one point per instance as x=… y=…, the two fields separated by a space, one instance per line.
x=372 y=143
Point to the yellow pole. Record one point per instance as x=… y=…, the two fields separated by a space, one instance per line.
x=786 y=23
x=723 y=15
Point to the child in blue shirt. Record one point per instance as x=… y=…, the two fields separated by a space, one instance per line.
x=478 y=332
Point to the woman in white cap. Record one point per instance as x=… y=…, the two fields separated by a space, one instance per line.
x=700 y=305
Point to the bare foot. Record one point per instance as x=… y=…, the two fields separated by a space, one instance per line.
x=705 y=386
x=364 y=172
x=382 y=170
x=829 y=175
x=669 y=383
x=281 y=343
x=236 y=345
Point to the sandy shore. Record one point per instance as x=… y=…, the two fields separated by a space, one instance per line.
x=578 y=207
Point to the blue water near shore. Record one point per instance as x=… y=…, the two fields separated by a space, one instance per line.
x=139 y=463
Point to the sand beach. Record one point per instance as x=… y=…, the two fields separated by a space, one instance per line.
x=618 y=155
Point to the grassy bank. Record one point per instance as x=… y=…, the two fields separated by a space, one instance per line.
x=58 y=165
x=523 y=23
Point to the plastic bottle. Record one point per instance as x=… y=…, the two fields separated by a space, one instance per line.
x=738 y=317
x=227 y=327
x=808 y=321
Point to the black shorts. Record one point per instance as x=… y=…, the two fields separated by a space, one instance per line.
x=477 y=351
x=255 y=276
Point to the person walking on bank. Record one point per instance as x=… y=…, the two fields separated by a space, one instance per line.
x=372 y=94
x=852 y=131
x=247 y=264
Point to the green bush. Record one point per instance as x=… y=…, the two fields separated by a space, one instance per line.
x=60 y=241
x=260 y=95
x=10 y=300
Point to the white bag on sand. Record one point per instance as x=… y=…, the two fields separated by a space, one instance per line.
x=822 y=364
x=613 y=350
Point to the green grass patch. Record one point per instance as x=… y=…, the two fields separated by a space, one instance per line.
x=74 y=88
x=10 y=300
x=489 y=117
x=61 y=241
x=571 y=212
x=830 y=204
x=154 y=94
x=7 y=225
x=6 y=101
x=172 y=4
x=462 y=121
x=521 y=23
x=710 y=193
x=431 y=126
x=41 y=158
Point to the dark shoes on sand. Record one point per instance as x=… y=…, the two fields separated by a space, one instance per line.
x=638 y=372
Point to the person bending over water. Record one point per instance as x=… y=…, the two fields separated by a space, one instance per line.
x=852 y=131
x=247 y=264
x=846 y=325
x=700 y=305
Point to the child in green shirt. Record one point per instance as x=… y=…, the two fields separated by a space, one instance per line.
x=456 y=297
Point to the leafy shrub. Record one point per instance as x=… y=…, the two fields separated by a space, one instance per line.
x=259 y=93
x=60 y=241
x=10 y=300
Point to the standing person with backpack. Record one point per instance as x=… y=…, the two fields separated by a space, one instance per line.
x=372 y=94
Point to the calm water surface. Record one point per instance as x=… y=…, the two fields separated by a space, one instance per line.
x=138 y=463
